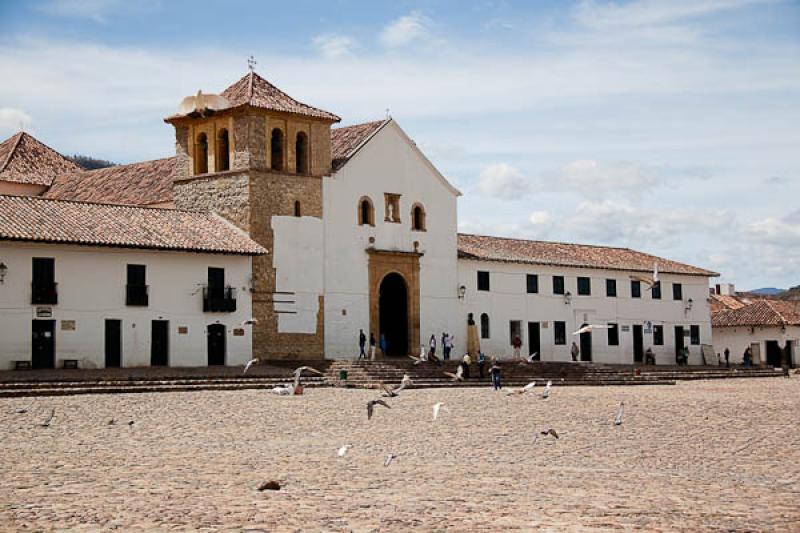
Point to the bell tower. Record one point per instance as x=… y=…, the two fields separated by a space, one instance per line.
x=256 y=156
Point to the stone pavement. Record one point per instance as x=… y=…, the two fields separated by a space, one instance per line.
x=701 y=455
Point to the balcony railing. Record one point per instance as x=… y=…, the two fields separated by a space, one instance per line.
x=44 y=293
x=136 y=295
x=219 y=299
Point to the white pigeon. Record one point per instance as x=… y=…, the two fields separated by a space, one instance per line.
x=436 y=408
x=523 y=390
x=298 y=372
x=249 y=322
x=458 y=376
x=618 y=419
x=532 y=357
x=389 y=458
x=546 y=391
x=406 y=381
x=343 y=450
x=250 y=363
x=588 y=328
x=283 y=390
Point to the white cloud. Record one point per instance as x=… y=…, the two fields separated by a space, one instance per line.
x=13 y=120
x=596 y=178
x=334 y=46
x=502 y=180
x=406 y=30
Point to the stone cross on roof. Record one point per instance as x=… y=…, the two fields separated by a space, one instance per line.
x=251 y=63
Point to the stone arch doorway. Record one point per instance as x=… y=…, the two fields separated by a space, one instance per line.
x=393 y=314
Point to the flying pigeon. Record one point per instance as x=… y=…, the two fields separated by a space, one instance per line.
x=389 y=458
x=299 y=372
x=618 y=419
x=649 y=281
x=546 y=391
x=250 y=363
x=550 y=431
x=523 y=390
x=458 y=376
x=249 y=322
x=343 y=450
x=46 y=423
x=371 y=407
x=588 y=328
x=391 y=393
x=436 y=408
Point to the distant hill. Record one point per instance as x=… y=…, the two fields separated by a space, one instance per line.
x=767 y=291
x=791 y=294
x=90 y=163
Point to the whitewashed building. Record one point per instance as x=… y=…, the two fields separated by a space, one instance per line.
x=107 y=286
x=356 y=230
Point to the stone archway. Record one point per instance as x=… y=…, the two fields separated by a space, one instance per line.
x=395 y=275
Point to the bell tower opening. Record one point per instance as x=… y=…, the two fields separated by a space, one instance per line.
x=393 y=312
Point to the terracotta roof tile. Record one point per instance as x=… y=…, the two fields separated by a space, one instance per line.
x=720 y=302
x=144 y=183
x=25 y=218
x=24 y=159
x=254 y=90
x=346 y=141
x=759 y=313
x=484 y=248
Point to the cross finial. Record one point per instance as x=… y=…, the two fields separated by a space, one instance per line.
x=251 y=63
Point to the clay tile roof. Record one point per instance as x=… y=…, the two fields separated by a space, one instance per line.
x=759 y=313
x=720 y=302
x=26 y=218
x=347 y=140
x=144 y=183
x=24 y=159
x=254 y=90
x=483 y=248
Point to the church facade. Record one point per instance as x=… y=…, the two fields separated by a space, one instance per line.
x=359 y=232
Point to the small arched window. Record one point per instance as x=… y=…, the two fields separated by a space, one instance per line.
x=484 y=326
x=418 y=218
x=297 y=208
x=201 y=154
x=301 y=153
x=223 y=151
x=276 y=144
x=366 y=212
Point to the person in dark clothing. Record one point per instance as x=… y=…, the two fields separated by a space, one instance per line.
x=727 y=353
x=481 y=363
x=748 y=357
x=465 y=362
x=372 y=343
x=494 y=371
x=362 y=342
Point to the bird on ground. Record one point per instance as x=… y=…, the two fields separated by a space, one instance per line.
x=371 y=407
x=546 y=391
x=389 y=458
x=417 y=360
x=550 y=431
x=406 y=381
x=589 y=327
x=249 y=322
x=392 y=393
x=250 y=363
x=130 y=423
x=343 y=450
x=532 y=357
x=436 y=408
x=618 y=419
x=649 y=281
x=269 y=485
x=523 y=390
x=299 y=372
x=111 y=422
x=23 y=410
x=458 y=376
x=46 y=423
x=283 y=390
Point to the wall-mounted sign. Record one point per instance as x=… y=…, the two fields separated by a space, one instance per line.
x=238 y=332
x=544 y=325
x=626 y=328
x=648 y=327
x=183 y=330
x=67 y=325
x=44 y=312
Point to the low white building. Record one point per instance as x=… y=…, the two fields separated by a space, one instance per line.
x=770 y=328
x=108 y=285
x=543 y=292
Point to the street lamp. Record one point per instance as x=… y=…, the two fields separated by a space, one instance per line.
x=462 y=290
x=567 y=298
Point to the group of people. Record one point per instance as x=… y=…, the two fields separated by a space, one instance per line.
x=447 y=346
x=362 y=345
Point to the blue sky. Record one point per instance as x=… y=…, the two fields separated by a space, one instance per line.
x=670 y=127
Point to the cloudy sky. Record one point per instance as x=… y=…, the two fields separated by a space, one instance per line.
x=670 y=127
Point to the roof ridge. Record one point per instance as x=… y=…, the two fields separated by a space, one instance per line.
x=559 y=242
x=106 y=204
x=250 y=85
x=768 y=302
x=12 y=151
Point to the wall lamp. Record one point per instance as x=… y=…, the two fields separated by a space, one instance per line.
x=689 y=304
x=3 y=271
x=462 y=291
x=567 y=298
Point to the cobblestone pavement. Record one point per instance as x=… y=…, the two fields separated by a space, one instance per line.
x=716 y=455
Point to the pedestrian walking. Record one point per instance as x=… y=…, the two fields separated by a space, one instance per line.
x=445 y=346
x=748 y=357
x=432 y=346
x=481 y=363
x=372 y=343
x=383 y=344
x=494 y=371
x=362 y=341
x=517 y=344
x=727 y=353
x=575 y=351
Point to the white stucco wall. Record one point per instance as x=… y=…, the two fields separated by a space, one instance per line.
x=91 y=288
x=739 y=338
x=389 y=163
x=507 y=300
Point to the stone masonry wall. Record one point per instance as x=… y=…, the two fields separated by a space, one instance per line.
x=227 y=195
